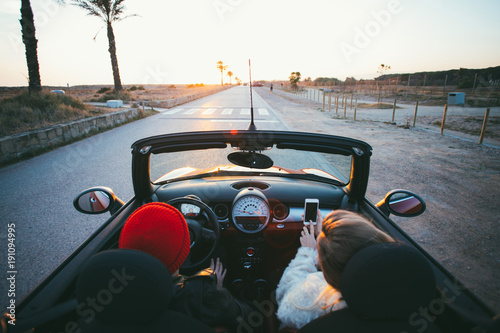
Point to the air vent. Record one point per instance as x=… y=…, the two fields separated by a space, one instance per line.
x=245 y=184
x=221 y=211
x=280 y=212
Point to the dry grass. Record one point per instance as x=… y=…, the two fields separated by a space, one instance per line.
x=27 y=112
x=466 y=124
x=20 y=112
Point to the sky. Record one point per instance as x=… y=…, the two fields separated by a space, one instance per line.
x=174 y=41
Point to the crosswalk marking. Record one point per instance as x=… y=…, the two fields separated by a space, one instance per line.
x=215 y=110
x=209 y=111
x=263 y=112
x=173 y=111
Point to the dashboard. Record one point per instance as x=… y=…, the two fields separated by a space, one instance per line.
x=260 y=220
x=252 y=205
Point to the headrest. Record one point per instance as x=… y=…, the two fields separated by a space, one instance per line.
x=387 y=281
x=123 y=286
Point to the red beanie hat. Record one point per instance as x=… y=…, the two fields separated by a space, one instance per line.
x=160 y=230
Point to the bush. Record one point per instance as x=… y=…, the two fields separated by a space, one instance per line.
x=124 y=96
x=27 y=112
x=134 y=88
x=196 y=85
x=103 y=90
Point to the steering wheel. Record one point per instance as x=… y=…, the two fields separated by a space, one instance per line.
x=197 y=232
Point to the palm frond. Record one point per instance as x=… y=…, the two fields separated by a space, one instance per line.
x=117 y=9
x=118 y=19
x=92 y=7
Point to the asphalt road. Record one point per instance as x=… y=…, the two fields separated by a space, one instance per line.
x=37 y=194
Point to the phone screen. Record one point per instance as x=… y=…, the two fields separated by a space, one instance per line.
x=311 y=212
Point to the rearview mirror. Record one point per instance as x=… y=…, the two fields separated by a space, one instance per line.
x=97 y=200
x=250 y=160
x=402 y=203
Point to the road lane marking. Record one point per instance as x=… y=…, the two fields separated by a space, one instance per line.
x=191 y=111
x=263 y=112
x=173 y=111
x=209 y=111
x=241 y=121
x=245 y=111
x=227 y=111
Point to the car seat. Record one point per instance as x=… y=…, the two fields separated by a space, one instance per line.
x=385 y=286
x=129 y=291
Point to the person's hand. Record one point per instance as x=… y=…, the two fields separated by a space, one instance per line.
x=307 y=238
x=219 y=271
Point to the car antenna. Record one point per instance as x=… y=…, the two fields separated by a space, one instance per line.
x=252 y=126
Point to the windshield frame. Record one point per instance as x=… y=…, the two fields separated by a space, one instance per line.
x=250 y=140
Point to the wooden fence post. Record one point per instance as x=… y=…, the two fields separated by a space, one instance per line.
x=337 y=105
x=444 y=117
x=483 y=130
x=345 y=106
x=355 y=108
x=415 y=115
x=393 y=109
x=324 y=100
x=330 y=101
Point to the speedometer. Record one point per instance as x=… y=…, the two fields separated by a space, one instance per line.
x=190 y=210
x=250 y=211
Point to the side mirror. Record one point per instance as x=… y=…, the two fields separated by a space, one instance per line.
x=402 y=203
x=97 y=200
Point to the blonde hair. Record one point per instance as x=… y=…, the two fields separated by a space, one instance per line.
x=344 y=233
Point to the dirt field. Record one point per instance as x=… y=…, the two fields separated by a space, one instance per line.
x=458 y=179
x=150 y=92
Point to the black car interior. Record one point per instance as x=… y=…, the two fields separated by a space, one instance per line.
x=382 y=285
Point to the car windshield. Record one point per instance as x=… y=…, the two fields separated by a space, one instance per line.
x=286 y=162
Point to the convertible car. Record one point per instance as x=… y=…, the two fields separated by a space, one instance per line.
x=242 y=193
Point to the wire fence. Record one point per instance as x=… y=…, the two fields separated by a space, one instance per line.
x=437 y=115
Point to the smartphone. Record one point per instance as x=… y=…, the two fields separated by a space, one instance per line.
x=311 y=211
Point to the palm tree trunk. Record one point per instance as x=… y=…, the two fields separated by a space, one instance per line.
x=114 y=60
x=221 y=77
x=30 y=42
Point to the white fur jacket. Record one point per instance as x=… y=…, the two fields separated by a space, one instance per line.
x=303 y=294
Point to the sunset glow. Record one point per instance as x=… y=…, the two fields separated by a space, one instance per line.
x=181 y=41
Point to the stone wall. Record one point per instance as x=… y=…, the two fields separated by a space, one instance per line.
x=14 y=146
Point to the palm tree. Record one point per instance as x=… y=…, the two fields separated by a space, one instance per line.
x=30 y=43
x=108 y=11
x=229 y=73
x=222 y=67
